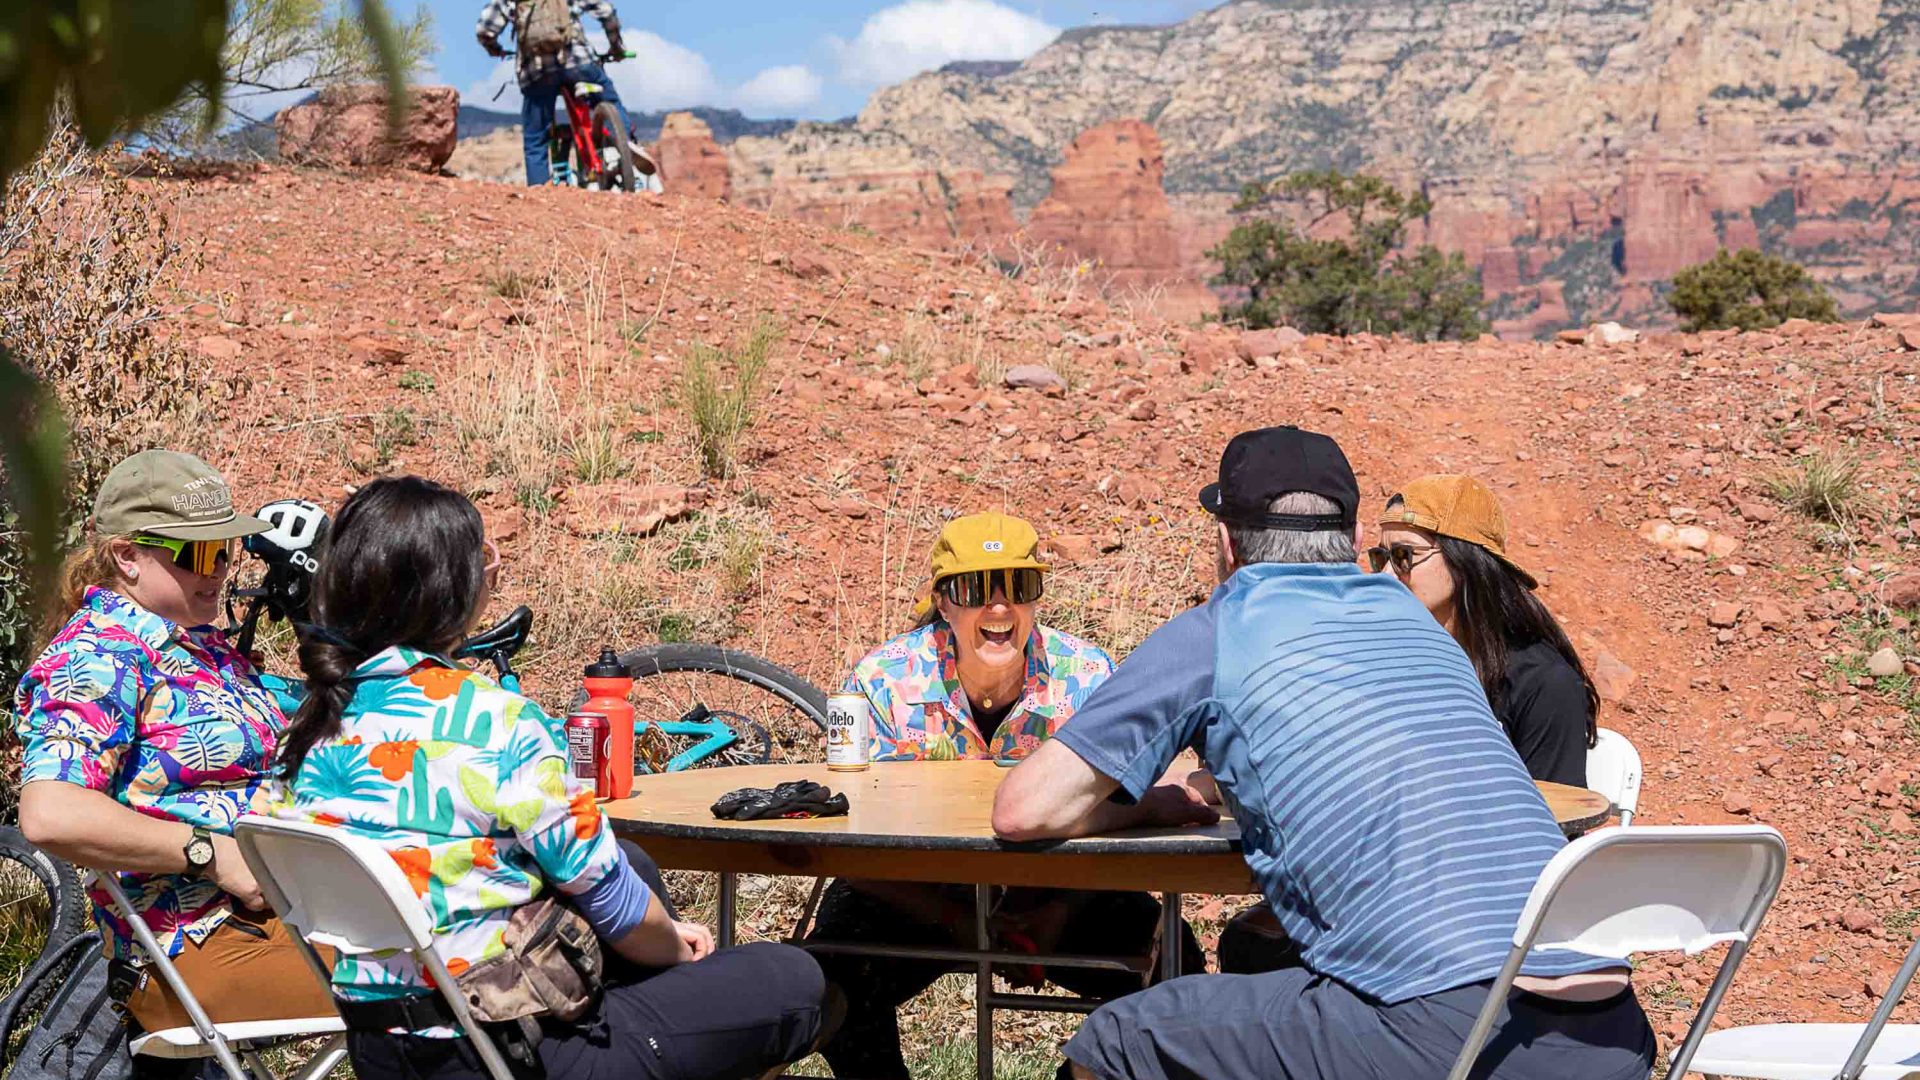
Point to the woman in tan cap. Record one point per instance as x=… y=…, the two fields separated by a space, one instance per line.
x=146 y=735
x=1445 y=537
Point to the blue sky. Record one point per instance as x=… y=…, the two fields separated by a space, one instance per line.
x=814 y=59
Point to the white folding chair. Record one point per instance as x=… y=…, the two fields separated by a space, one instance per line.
x=1613 y=770
x=345 y=892
x=229 y=1042
x=1870 y=1051
x=1657 y=888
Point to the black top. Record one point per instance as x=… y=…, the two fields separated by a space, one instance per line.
x=1544 y=709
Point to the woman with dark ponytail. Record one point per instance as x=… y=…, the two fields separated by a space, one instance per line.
x=468 y=788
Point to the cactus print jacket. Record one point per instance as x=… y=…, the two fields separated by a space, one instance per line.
x=920 y=712
x=169 y=721
x=467 y=787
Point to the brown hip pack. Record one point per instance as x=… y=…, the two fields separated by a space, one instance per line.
x=551 y=966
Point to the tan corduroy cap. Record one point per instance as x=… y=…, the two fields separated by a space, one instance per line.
x=1457 y=506
x=170 y=494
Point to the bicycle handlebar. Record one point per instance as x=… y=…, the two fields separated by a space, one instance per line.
x=605 y=57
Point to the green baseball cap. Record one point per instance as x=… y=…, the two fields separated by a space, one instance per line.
x=170 y=494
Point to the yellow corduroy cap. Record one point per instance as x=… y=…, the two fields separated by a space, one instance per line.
x=1458 y=506
x=988 y=541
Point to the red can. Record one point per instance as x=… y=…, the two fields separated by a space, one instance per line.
x=588 y=734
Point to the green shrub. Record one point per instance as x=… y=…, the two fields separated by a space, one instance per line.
x=1823 y=487
x=1747 y=290
x=1360 y=282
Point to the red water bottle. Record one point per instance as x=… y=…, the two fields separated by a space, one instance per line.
x=608 y=685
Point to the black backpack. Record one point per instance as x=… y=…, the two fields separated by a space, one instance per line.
x=81 y=1035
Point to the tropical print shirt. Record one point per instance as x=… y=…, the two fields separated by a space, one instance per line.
x=170 y=721
x=467 y=787
x=921 y=713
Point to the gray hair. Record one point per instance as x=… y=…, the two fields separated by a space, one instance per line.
x=1254 y=545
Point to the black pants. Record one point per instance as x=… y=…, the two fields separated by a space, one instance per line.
x=867 y=1046
x=732 y=1016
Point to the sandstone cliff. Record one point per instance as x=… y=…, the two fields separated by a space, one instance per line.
x=691 y=163
x=1580 y=151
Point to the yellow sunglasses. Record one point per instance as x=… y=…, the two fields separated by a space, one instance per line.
x=198 y=556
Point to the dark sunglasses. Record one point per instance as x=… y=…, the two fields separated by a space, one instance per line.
x=1402 y=557
x=195 y=556
x=975 y=587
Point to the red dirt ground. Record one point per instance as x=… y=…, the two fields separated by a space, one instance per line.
x=332 y=286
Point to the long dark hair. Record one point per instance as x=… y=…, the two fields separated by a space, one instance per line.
x=1498 y=615
x=405 y=564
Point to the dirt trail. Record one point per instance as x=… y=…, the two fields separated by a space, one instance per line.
x=508 y=341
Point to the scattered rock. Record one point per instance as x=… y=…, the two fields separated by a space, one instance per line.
x=1902 y=591
x=1858 y=920
x=1073 y=547
x=215 y=347
x=379 y=350
x=1758 y=512
x=1254 y=344
x=1688 y=538
x=1884 y=663
x=1724 y=613
x=1899 y=822
x=1770 y=615
x=1610 y=333
x=1612 y=678
x=1884 y=320
x=1910 y=339
x=1143 y=409
x=346 y=127
x=1737 y=803
x=1034 y=377
x=628 y=509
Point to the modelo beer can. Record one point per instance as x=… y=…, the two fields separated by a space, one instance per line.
x=588 y=735
x=849 y=732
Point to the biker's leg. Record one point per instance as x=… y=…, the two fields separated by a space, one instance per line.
x=595 y=72
x=536 y=119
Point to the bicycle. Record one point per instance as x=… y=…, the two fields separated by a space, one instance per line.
x=37 y=890
x=596 y=135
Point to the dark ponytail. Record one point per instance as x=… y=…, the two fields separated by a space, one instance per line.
x=405 y=564
x=1497 y=615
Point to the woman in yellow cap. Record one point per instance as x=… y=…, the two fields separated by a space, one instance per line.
x=1446 y=538
x=978 y=677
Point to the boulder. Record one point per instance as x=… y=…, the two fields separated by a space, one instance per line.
x=1610 y=333
x=1254 y=344
x=346 y=127
x=1034 y=377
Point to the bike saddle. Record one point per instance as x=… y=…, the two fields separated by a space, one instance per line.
x=507 y=636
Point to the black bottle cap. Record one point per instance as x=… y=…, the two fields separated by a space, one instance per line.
x=607 y=667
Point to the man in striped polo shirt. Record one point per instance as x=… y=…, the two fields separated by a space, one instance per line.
x=1382 y=809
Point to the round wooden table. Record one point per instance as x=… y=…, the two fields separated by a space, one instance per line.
x=932 y=821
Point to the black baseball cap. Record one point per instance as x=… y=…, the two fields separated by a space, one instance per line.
x=1258 y=467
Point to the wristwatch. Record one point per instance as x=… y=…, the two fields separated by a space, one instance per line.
x=199 y=851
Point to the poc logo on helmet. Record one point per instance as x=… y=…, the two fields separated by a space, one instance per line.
x=993 y=546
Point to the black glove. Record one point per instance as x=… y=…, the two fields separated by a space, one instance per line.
x=492 y=45
x=616 y=50
x=793 y=799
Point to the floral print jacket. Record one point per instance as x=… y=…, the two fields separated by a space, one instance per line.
x=467 y=787
x=168 y=720
x=920 y=712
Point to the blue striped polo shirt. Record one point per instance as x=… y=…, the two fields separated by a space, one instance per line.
x=1382 y=809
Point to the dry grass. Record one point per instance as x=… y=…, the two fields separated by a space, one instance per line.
x=1823 y=486
x=720 y=390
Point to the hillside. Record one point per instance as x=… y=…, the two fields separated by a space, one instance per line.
x=526 y=345
x=1578 y=151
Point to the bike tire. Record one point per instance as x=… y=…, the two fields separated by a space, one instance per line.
x=623 y=175
x=69 y=917
x=668 y=659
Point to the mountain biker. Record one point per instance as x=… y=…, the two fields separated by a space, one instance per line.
x=146 y=734
x=466 y=785
x=542 y=69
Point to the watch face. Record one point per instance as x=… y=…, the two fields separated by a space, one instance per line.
x=199 y=852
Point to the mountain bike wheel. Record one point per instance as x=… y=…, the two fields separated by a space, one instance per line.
x=775 y=714
x=615 y=171
x=42 y=909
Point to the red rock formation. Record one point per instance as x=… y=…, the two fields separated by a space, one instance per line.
x=346 y=127
x=691 y=163
x=1108 y=204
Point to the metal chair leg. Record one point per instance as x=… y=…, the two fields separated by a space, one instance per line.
x=983 y=986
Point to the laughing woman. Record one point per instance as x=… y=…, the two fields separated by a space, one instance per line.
x=981 y=678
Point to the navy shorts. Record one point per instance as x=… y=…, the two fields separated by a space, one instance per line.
x=1295 y=1025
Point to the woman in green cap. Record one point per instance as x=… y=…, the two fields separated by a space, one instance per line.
x=146 y=734
x=977 y=677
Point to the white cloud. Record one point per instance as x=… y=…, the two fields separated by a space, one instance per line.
x=779 y=90
x=662 y=76
x=920 y=35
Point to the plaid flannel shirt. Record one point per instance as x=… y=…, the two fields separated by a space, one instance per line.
x=498 y=15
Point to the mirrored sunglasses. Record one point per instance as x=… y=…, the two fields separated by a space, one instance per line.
x=201 y=557
x=975 y=587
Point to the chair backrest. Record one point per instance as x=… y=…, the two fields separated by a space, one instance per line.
x=1656 y=888
x=334 y=888
x=1613 y=770
x=345 y=891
